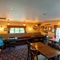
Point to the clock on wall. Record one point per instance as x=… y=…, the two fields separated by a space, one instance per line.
x=34 y=27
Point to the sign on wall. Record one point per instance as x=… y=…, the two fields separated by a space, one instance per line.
x=5 y=29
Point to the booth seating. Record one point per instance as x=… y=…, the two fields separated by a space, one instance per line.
x=29 y=38
x=23 y=37
x=12 y=41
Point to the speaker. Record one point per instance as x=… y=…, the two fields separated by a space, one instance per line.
x=38 y=24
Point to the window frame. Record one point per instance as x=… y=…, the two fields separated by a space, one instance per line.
x=15 y=27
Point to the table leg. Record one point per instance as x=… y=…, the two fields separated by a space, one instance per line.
x=58 y=57
x=54 y=58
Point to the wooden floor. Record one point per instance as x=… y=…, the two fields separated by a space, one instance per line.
x=41 y=57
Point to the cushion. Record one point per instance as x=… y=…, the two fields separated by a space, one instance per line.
x=23 y=37
x=1 y=41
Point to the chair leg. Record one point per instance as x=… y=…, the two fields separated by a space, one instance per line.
x=0 y=50
x=37 y=57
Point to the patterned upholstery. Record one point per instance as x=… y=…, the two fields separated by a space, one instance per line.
x=1 y=41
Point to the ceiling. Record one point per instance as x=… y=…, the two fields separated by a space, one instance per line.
x=30 y=10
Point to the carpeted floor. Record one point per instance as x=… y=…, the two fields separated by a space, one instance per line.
x=17 y=53
x=14 y=53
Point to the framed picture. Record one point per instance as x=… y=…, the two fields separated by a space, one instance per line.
x=34 y=27
x=49 y=28
x=52 y=30
x=42 y=27
x=5 y=29
x=46 y=28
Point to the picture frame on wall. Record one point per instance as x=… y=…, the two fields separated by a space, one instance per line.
x=42 y=27
x=34 y=27
x=50 y=28
x=53 y=30
x=5 y=29
x=46 y=28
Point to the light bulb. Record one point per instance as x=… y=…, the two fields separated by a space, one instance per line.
x=24 y=24
x=8 y=23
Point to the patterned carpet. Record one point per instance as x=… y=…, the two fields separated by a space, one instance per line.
x=14 y=53
x=18 y=53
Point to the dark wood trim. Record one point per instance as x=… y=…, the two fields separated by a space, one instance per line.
x=56 y=26
x=10 y=26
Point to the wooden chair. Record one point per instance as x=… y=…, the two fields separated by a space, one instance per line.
x=46 y=39
x=32 y=52
x=12 y=42
x=58 y=45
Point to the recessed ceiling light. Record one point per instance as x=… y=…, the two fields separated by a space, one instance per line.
x=11 y=9
x=44 y=13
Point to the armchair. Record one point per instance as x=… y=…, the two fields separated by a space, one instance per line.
x=1 y=42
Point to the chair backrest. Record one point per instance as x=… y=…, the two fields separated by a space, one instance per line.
x=1 y=41
x=46 y=40
x=59 y=41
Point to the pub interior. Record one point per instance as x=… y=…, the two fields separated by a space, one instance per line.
x=29 y=30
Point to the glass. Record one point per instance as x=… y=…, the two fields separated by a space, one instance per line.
x=16 y=30
x=22 y=30
x=11 y=30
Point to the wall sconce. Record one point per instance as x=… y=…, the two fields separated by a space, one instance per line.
x=30 y=28
x=36 y=23
x=1 y=26
x=8 y=22
x=24 y=23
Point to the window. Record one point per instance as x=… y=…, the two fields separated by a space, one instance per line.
x=57 y=34
x=22 y=30
x=11 y=30
x=17 y=30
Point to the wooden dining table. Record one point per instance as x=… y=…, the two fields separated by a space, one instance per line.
x=45 y=50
